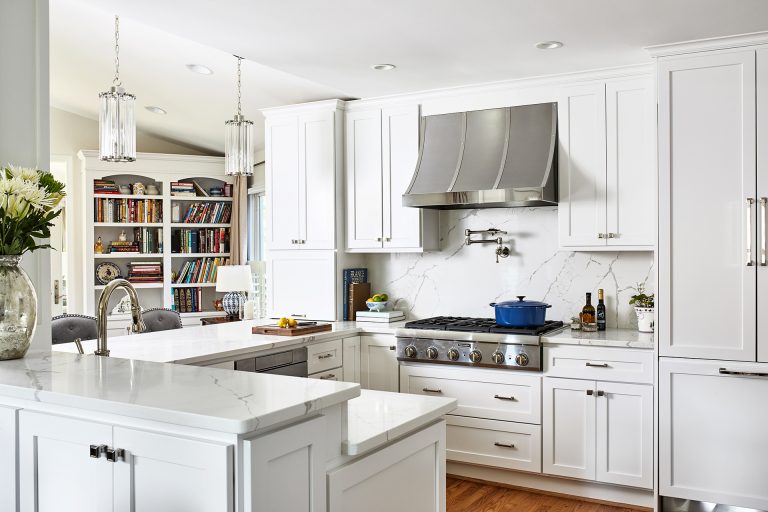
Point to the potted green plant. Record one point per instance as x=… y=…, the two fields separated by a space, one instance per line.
x=29 y=201
x=645 y=308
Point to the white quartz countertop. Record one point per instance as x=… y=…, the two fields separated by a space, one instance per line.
x=377 y=417
x=626 y=338
x=208 y=398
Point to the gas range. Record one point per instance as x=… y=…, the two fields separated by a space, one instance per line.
x=472 y=342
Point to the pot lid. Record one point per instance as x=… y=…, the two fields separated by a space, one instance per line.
x=521 y=303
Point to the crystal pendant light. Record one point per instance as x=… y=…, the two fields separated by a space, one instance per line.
x=238 y=140
x=117 y=122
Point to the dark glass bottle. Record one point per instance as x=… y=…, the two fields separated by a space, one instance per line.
x=588 y=311
x=600 y=310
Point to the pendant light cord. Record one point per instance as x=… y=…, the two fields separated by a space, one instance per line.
x=116 y=81
x=239 y=108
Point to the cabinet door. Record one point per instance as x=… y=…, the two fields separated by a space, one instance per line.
x=351 y=356
x=624 y=434
x=170 y=473
x=56 y=471
x=631 y=163
x=400 y=152
x=364 y=187
x=568 y=428
x=302 y=284
x=762 y=193
x=707 y=226
x=8 y=447
x=712 y=432
x=317 y=180
x=581 y=213
x=282 y=182
x=378 y=363
x=285 y=470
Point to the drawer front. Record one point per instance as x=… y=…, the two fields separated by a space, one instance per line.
x=597 y=363
x=500 y=444
x=327 y=375
x=489 y=394
x=324 y=356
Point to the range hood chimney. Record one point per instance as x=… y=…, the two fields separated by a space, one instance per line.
x=497 y=158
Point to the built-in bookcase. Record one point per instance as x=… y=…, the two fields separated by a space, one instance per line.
x=159 y=221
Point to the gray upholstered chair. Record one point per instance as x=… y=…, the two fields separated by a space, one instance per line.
x=66 y=328
x=161 y=319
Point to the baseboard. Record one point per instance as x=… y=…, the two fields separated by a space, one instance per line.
x=639 y=499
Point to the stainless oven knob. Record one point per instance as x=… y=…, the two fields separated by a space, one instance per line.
x=475 y=356
x=522 y=359
x=497 y=357
x=410 y=351
x=453 y=354
x=432 y=353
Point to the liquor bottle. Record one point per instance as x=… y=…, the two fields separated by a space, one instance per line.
x=600 y=311
x=588 y=315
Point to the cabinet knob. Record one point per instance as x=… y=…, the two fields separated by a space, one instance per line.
x=388 y=239
x=601 y=236
x=378 y=239
x=590 y=392
x=97 y=450
x=601 y=393
x=611 y=235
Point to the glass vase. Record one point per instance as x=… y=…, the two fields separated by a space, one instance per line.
x=18 y=309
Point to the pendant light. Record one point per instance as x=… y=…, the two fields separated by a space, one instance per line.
x=238 y=140
x=117 y=122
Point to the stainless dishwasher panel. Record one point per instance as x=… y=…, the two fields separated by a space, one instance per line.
x=291 y=362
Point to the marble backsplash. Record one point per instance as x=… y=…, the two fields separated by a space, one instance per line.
x=462 y=280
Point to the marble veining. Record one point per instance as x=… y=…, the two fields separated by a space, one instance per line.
x=626 y=338
x=462 y=280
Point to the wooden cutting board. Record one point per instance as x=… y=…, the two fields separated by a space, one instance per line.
x=301 y=330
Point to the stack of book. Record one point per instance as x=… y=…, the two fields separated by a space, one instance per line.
x=149 y=240
x=183 y=189
x=208 y=213
x=191 y=241
x=145 y=272
x=105 y=187
x=123 y=247
x=201 y=270
x=187 y=300
x=380 y=316
x=353 y=276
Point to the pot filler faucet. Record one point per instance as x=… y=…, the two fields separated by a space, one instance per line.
x=501 y=251
x=137 y=324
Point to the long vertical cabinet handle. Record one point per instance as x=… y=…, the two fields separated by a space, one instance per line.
x=763 y=255
x=750 y=202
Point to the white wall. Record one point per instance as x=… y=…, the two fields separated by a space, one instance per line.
x=462 y=280
x=24 y=99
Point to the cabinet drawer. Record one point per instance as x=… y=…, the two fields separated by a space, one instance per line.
x=500 y=444
x=327 y=375
x=324 y=356
x=486 y=394
x=597 y=363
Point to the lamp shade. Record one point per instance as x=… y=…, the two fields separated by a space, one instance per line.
x=234 y=278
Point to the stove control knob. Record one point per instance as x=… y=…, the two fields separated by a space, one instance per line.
x=432 y=353
x=410 y=351
x=475 y=356
x=497 y=357
x=522 y=359
x=453 y=354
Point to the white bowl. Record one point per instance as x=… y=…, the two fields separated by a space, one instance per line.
x=376 y=306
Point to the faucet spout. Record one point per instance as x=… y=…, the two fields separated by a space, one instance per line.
x=137 y=324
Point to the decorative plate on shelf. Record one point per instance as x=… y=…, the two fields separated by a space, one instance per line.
x=106 y=272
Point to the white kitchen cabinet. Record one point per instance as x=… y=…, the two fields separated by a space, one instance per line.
x=598 y=431
x=281 y=158
x=713 y=434
x=285 y=470
x=351 y=354
x=9 y=449
x=378 y=363
x=382 y=149
x=762 y=198
x=302 y=284
x=607 y=165
x=500 y=444
x=707 y=176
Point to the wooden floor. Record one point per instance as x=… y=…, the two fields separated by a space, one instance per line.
x=465 y=496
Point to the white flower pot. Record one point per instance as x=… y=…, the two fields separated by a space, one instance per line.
x=645 y=319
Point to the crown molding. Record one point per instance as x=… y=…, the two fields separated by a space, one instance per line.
x=323 y=105
x=713 y=43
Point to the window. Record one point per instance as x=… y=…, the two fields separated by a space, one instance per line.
x=256 y=209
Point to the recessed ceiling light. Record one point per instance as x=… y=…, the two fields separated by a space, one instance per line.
x=549 y=45
x=156 y=110
x=383 y=67
x=199 y=68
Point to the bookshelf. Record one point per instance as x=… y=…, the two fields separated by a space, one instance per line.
x=155 y=222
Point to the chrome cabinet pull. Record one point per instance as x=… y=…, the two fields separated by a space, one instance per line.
x=96 y=450
x=500 y=397
x=723 y=371
x=298 y=316
x=750 y=201
x=430 y=390
x=590 y=392
x=329 y=376
x=611 y=235
x=596 y=365
x=392 y=347
x=325 y=356
x=763 y=255
x=601 y=236
x=378 y=239
x=503 y=445
x=601 y=393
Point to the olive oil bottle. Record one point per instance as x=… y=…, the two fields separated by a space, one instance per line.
x=600 y=310
x=588 y=320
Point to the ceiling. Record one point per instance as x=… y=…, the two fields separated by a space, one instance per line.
x=302 y=50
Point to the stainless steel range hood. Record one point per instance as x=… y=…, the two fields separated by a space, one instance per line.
x=495 y=158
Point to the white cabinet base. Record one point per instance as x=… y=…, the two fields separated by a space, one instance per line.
x=8 y=447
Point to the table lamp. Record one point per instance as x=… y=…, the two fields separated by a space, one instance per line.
x=235 y=280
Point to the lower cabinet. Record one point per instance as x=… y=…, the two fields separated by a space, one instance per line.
x=8 y=449
x=501 y=444
x=351 y=354
x=378 y=363
x=72 y=464
x=594 y=430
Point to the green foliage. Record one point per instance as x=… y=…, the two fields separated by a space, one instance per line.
x=641 y=300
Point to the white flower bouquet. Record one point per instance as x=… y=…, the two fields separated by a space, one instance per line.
x=29 y=201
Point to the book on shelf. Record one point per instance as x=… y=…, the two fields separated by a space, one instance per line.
x=208 y=213
x=105 y=187
x=228 y=190
x=188 y=300
x=358 y=295
x=349 y=276
x=183 y=189
x=200 y=270
x=145 y=272
x=120 y=210
x=200 y=240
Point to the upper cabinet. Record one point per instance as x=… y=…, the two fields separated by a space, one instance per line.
x=303 y=172
x=607 y=165
x=382 y=149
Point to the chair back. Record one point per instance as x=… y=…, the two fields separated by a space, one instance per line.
x=161 y=319
x=67 y=328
